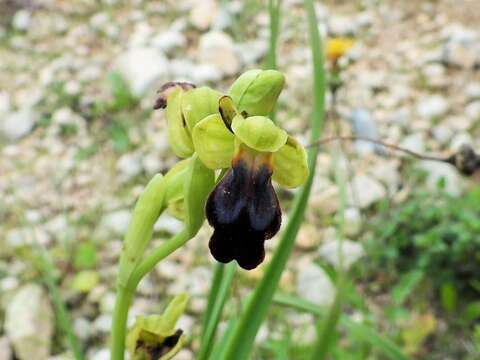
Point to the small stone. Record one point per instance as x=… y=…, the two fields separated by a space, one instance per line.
x=308 y=237
x=83 y=328
x=414 y=142
x=169 y=41
x=168 y=223
x=365 y=191
x=432 y=107
x=364 y=126
x=472 y=91
x=117 y=222
x=203 y=73
x=5 y=351
x=460 y=139
x=18 y=124
x=184 y=354
x=102 y=354
x=440 y=172
x=29 y=323
x=314 y=285
x=442 y=133
x=472 y=110
x=103 y=324
x=130 y=165
x=217 y=48
x=143 y=68
x=352 y=251
x=22 y=20
x=353 y=221
x=5 y=103
x=203 y=14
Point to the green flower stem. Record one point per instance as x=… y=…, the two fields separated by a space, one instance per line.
x=240 y=345
x=125 y=293
x=119 y=322
x=158 y=254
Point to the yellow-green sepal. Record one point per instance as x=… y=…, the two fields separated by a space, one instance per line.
x=256 y=91
x=177 y=131
x=199 y=103
x=259 y=133
x=158 y=333
x=290 y=167
x=213 y=142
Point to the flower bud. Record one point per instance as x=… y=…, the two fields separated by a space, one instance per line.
x=156 y=336
x=255 y=92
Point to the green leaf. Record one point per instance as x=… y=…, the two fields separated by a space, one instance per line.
x=85 y=256
x=217 y=297
x=448 y=294
x=119 y=136
x=85 y=281
x=406 y=285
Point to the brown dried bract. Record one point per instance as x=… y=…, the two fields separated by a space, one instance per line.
x=166 y=89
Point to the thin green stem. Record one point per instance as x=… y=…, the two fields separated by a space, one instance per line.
x=158 y=254
x=119 y=326
x=125 y=293
x=274 y=7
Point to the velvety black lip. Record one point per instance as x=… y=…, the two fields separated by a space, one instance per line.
x=244 y=211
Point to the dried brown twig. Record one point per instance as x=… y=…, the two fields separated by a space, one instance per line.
x=465 y=159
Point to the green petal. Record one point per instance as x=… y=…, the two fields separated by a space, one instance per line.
x=213 y=142
x=290 y=167
x=198 y=104
x=178 y=135
x=256 y=91
x=259 y=133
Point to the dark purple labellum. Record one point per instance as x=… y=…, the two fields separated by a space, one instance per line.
x=244 y=210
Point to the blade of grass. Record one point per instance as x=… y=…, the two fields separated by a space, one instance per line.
x=212 y=295
x=274 y=12
x=217 y=299
x=239 y=347
x=359 y=331
x=326 y=328
x=47 y=269
x=271 y=60
x=221 y=346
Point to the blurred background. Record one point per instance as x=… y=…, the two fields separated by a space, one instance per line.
x=79 y=140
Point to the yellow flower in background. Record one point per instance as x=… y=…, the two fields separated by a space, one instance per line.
x=337 y=47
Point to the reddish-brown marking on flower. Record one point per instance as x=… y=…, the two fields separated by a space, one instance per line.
x=166 y=89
